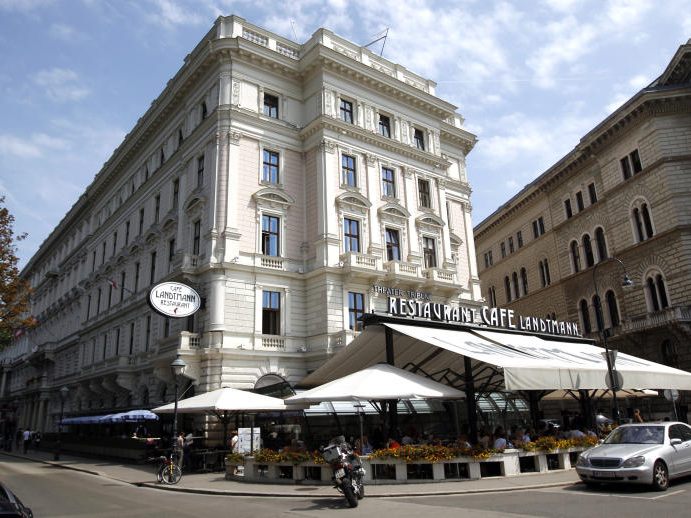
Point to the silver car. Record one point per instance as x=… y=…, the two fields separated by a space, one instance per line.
x=639 y=453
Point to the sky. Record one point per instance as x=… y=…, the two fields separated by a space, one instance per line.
x=530 y=77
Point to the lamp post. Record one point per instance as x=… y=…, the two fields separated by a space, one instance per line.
x=63 y=396
x=610 y=355
x=176 y=366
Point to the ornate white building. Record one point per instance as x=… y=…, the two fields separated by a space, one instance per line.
x=282 y=182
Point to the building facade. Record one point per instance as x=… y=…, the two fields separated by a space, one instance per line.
x=281 y=181
x=618 y=204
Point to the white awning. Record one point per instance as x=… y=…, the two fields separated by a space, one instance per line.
x=226 y=400
x=499 y=360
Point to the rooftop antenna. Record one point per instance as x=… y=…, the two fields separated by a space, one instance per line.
x=383 y=36
x=292 y=26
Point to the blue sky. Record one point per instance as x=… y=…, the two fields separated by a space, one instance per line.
x=530 y=77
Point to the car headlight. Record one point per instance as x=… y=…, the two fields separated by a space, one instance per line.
x=634 y=462
x=582 y=461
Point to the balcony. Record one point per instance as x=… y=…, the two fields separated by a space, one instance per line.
x=271 y=262
x=363 y=266
x=401 y=271
x=190 y=262
x=674 y=316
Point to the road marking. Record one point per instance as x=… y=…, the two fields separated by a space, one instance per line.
x=616 y=495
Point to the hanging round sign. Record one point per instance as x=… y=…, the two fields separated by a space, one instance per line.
x=174 y=299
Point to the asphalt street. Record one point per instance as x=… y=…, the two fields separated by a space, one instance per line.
x=54 y=492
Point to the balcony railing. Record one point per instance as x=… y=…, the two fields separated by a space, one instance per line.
x=440 y=275
x=360 y=261
x=664 y=318
x=400 y=269
x=273 y=342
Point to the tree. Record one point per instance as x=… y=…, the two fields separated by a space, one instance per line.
x=14 y=290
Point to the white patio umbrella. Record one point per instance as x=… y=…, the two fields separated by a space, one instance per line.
x=378 y=383
x=225 y=401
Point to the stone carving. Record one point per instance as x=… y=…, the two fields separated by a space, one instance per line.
x=235 y=100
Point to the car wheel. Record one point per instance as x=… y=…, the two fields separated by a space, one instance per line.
x=660 y=476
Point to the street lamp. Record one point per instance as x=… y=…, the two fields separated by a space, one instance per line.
x=177 y=366
x=610 y=356
x=64 y=391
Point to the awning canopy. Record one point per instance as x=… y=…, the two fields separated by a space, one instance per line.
x=499 y=360
x=377 y=383
x=558 y=395
x=122 y=417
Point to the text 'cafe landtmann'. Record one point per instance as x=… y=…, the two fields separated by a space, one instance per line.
x=412 y=304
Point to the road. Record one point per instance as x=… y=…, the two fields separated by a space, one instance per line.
x=56 y=492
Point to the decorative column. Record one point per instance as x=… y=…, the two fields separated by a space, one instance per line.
x=473 y=278
x=231 y=232
x=446 y=229
x=372 y=183
x=410 y=201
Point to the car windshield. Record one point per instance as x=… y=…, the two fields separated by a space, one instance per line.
x=637 y=435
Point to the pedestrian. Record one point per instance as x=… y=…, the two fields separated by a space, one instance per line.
x=37 y=440
x=178 y=446
x=637 y=418
x=26 y=435
x=234 y=441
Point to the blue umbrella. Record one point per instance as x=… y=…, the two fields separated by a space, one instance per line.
x=134 y=416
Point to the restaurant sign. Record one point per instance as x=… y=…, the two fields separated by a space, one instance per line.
x=174 y=299
x=495 y=317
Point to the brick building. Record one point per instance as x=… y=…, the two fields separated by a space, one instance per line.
x=619 y=203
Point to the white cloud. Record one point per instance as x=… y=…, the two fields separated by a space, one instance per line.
x=169 y=13
x=18 y=147
x=62 y=32
x=23 y=5
x=61 y=84
x=639 y=81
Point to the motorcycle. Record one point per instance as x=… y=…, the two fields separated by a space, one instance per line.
x=347 y=469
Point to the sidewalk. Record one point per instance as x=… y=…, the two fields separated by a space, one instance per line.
x=215 y=483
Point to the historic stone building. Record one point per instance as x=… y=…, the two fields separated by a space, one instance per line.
x=619 y=203
x=282 y=182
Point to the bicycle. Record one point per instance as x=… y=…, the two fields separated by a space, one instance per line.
x=168 y=471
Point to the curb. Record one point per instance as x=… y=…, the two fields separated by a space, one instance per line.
x=269 y=494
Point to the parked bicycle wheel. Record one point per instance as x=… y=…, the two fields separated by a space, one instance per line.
x=171 y=474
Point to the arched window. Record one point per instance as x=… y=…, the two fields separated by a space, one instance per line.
x=541 y=268
x=524 y=281
x=515 y=285
x=585 y=316
x=492 y=296
x=642 y=221
x=656 y=292
x=598 y=313
x=601 y=244
x=612 y=308
x=588 y=251
x=575 y=257
x=507 y=288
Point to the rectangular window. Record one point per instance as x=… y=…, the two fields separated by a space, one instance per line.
x=271 y=313
x=88 y=307
x=625 y=167
x=393 y=245
x=127 y=233
x=502 y=247
x=419 y=139
x=196 y=236
x=519 y=239
x=635 y=161
x=347 y=111
x=98 y=302
x=136 y=276
x=93 y=261
x=424 y=194
x=356 y=310
x=388 y=182
x=166 y=327
x=131 y=351
x=270 y=236
x=157 y=208
x=567 y=208
x=384 y=126
x=171 y=250
x=200 y=171
x=270 y=167
x=117 y=341
x=351 y=234
x=123 y=277
x=141 y=221
x=429 y=249
x=511 y=249
x=115 y=242
x=103 y=252
x=579 y=201
x=488 y=259
x=271 y=106
x=592 y=193
x=348 y=170
x=538 y=227
x=147 y=337
x=152 y=271
x=176 y=192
